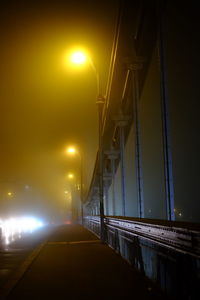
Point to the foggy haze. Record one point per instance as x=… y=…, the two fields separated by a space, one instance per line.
x=44 y=105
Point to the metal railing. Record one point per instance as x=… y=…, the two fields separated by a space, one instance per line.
x=181 y=239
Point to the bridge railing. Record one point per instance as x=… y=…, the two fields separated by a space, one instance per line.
x=169 y=255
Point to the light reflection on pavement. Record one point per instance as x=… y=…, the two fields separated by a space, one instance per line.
x=20 y=245
x=13 y=228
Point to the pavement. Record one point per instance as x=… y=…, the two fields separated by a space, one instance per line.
x=74 y=264
x=13 y=254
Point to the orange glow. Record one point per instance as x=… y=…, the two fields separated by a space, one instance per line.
x=70 y=176
x=71 y=150
x=77 y=57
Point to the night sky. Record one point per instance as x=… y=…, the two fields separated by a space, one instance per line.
x=44 y=105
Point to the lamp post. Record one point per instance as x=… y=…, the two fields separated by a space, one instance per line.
x=72 y=151
x=100 y=104
x=80 y=58
x=73 y=190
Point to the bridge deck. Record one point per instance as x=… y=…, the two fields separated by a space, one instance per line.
x=74 y=264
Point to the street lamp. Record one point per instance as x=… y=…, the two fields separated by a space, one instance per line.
x=74 y=199
x=76 y=57
x=70 y=176
x=73 y=151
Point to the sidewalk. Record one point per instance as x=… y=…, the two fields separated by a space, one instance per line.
x=74 y=264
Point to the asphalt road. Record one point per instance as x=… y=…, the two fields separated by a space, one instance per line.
x=14 y=254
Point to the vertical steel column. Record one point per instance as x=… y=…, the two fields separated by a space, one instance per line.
x=169 y=186
x=100 y=103
x=121 y=132
x=113 y=184
x=121 y=121
x=106 y=177
x=106 y=197
x=112 y=155
x=139 y=176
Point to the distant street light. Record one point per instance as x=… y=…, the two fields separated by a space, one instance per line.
x=73 y=151
x=100 y=103
x=70 y=176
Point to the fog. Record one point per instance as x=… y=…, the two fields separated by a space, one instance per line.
x=45 y=105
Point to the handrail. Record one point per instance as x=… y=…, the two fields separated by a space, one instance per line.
x=182 y=239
